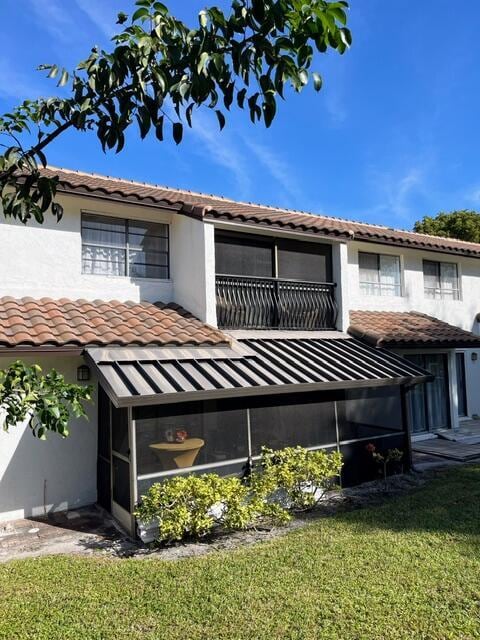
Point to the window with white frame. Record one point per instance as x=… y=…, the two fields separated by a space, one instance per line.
x=380 y=274
x=119 y=247
x=441 y=280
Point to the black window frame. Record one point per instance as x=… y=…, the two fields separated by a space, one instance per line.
x=126 y=247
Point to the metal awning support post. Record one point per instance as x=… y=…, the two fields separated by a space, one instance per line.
x=249 y=442
x=406 y=426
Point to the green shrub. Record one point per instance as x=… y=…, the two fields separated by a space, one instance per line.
x=296 y=476
x=195 y=505
x=192 y=506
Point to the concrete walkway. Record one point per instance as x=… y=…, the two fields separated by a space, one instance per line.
x=83 y=531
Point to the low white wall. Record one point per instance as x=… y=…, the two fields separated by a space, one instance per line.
x=37 y=476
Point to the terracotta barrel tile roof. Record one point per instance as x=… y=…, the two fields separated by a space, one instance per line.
x=202 y=205
x=26 y=322
x=408 y=329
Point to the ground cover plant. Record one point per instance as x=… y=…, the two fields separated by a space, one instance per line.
x=406 y=570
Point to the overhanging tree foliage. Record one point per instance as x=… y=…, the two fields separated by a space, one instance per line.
x=157 y=74
x=463 y=225
x=159 y=71
x=46 y=401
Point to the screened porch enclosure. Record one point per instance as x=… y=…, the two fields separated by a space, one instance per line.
x=147 y=444
x=181 y=410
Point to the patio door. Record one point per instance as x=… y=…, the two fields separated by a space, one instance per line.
x=113 y=461
x=429 y=402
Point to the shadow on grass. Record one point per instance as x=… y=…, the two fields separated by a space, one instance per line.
x=448 y=504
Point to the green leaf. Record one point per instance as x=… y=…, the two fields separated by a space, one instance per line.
x=220 y=118
x=317 y=81
x=241 y=97
x=202 y=61
x=64 y=78
x=203 y=18
x=141 y=14
x=303 y=77
x=159 y=129
x=53 y=71
x=177 y=132
x=269 y=109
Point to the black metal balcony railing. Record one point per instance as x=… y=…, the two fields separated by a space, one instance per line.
x=247 y=302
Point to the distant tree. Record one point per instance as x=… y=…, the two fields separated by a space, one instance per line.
x=463 y=225
x=159 y=71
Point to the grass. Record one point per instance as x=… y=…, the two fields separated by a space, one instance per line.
x=409 y=569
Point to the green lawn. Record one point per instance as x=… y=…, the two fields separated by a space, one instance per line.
x=409 y=569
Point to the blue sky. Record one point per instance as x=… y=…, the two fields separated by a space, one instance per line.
x=393 y=135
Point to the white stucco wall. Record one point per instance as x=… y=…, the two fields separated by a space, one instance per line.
x=37 y=476
x=193 y=266
x=461 y=313
x=457 y=312
x=472 y=380
x=46 y=260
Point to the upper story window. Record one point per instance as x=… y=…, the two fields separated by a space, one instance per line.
x=238 y=254
x=380 y=274
x=119 y=247
x=441 y=280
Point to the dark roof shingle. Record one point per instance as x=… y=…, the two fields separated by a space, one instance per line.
x=407 y=329
x=29 y=322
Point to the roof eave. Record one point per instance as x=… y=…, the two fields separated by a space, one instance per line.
x=244 y=392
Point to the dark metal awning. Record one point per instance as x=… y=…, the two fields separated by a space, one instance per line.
x=252 y=366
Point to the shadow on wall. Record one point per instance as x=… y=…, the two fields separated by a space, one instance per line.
x=37 y=476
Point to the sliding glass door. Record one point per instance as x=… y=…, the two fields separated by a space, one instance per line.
x=429 y=402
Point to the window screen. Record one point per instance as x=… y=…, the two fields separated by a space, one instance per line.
x=120 y=431
x=103 y=424
x=279 y=425
x=366 y=413
x=183 y=436
x=115 y=247
x=147 y=250
x=441 y=280
x=103 y=245
x=121 y=482
x=379 y=274
x=243 y=255
x=308 y=261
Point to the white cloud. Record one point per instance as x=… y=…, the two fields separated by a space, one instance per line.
x=102 y=14
x=16 y=85
x=398 y=191
x=473 y=195
x=223 y=149
x=335 y=105
x=52 y=16
x=278 y=168
x=396 y=194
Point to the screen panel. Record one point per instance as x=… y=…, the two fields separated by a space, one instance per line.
x=307 y=261
x=243 y=255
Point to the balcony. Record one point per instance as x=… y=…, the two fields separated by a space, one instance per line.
x=248 y=302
